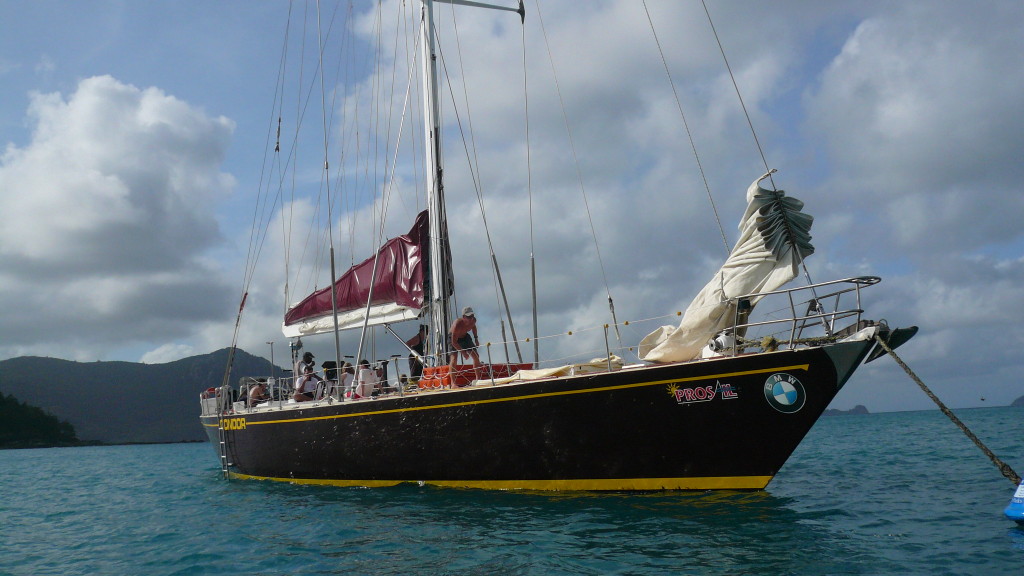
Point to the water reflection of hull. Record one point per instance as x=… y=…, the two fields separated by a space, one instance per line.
x=728 y=423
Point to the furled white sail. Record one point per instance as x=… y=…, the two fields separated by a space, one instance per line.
x=774 y=239
x=381 y=314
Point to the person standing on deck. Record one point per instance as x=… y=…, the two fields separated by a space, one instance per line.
x=305 y=379
x=417 y=344
x=463 y=344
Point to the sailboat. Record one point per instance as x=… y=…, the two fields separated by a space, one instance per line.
x=718 y=400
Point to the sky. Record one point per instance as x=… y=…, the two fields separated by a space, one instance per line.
x=134 y=142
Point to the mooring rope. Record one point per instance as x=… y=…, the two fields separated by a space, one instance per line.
x=1004 y=468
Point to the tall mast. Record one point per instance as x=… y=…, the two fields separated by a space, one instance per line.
x=438 y=288
x=441 y=281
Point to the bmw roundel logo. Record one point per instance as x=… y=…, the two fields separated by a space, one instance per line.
x=785 y=393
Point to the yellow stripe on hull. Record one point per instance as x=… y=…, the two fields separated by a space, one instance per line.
x=582 y=484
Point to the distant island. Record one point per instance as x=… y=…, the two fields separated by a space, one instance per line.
x=1019 y=402
x=858 y=409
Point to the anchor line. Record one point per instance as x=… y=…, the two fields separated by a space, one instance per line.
x=1004 y=468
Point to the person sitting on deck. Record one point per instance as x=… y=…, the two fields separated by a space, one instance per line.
x=463 y=344
x=366 y=381
x=306 y=379
x=257 y=394
x=347 y=381
x=330 y=368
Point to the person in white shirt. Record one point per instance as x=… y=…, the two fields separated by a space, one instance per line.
x=366 y=380
x=306 y=379
x=345 y=383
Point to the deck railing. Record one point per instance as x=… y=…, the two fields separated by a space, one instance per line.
x=806 y=316
x=782 y=319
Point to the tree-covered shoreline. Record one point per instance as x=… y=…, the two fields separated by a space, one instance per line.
x=26 y=426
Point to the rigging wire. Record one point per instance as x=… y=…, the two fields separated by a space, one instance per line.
x=768 y=171
x=303 y=101
x=341 y=79
x=360 y=162
x=500 y=295
x=373 y=159
x=686 y=125
x=529 y=189
x=279 y=164
x=279 y=110
x=389 y=118
x=401 y=30
x=474 y=168
x=325 y=241
x=736 y=87
x=286 y=231
x=300 y=119
x=385 y=203
x=418 y=171
x=364 y=151
x=263 y=208
x=264 y=205
x=327 y=177
x=579 y=175
x=495 y=270
x=283 y=170
x=309 y=243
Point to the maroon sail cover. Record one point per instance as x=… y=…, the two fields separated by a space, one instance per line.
x=400 y=272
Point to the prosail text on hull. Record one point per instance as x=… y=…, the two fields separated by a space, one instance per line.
x=718 y=401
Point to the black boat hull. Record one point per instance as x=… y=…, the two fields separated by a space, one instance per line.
x=728 y=423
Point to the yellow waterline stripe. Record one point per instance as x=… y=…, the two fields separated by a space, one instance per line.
x=695 y=483
x=530 y=396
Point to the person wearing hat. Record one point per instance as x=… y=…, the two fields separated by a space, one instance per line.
x=462 y=343
x=305 y=379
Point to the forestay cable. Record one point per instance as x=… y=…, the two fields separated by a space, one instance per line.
x=738 y=95
x=579 y=175
x=768 y=171
x=686 y=125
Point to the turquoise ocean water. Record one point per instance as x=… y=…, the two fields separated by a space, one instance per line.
x=892 y=493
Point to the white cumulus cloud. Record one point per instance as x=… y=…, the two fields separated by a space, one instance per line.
x=108 y=214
